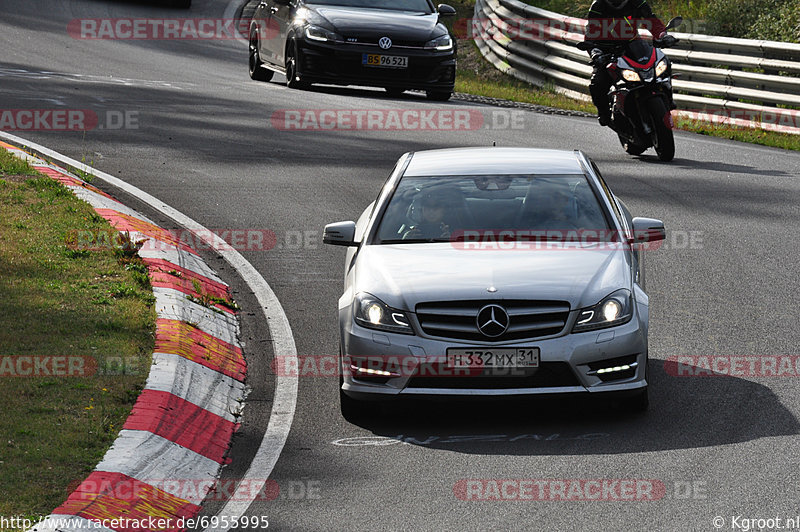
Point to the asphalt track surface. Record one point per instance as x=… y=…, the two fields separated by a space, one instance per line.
x=725 y=284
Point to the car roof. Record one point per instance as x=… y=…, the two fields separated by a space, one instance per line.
x=493 y=161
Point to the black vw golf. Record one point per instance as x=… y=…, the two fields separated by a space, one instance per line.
x=395 y=44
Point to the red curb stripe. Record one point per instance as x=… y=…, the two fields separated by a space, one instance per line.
x=124 y=222
x=165 y=280
x=161 y=265
x=180 y=338
x=179 y=421
x=165 y=274
x=162 y=271
x=70 y=181
x=110 y=496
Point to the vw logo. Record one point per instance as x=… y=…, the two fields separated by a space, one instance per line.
x=385 y=43
x=492 y=320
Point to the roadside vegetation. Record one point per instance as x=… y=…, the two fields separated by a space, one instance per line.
x=477 y=76
x=94 y=309
x=774 y=20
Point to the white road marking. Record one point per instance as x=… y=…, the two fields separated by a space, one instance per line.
x=285 y=398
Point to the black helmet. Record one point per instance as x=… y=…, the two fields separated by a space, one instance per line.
x=617 y=4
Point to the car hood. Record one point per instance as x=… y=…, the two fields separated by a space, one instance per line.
x=403 y=275
x=368 y=23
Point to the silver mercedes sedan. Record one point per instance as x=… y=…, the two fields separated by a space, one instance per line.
x=493 y=272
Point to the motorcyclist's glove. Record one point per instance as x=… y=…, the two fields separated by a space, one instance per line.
x=598 y=57
x=666 y=41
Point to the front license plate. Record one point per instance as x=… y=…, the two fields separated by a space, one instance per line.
x=384 y=61
x=516 y=357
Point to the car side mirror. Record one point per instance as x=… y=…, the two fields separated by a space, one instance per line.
x=340 y=234
x=647 y=230
x=445 y=10
x=674 y=23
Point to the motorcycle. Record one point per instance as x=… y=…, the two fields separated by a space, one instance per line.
x=641 y=95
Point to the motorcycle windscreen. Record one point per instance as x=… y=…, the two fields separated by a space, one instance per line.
x=640 y=54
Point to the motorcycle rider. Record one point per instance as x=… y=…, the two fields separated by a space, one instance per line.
x=612 y=24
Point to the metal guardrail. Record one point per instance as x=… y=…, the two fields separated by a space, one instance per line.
x=718 y=79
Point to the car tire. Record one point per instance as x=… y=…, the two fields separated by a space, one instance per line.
x=292 y=80
x=255 y=65
x=439 y=96
x=394 y=92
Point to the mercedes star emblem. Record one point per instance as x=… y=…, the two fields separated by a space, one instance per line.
x=492 y=320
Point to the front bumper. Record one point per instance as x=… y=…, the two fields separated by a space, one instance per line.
x=341 y=64
x=568 y=365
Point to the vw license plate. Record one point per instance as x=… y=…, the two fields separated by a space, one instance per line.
x=517 y=357
x=385 y=61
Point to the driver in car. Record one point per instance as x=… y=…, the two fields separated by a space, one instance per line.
x=432 y=216
x=612 y=24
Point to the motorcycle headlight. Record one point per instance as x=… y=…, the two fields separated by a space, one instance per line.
x=445 y=42
x=318 y=33
x=614 y=310
x=371 y=312
x=630 y=75
x=661 y=68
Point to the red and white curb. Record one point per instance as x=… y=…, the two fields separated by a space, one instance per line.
x=173 y=445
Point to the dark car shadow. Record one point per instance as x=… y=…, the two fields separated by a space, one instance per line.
x=685 y=412
x=357 y=91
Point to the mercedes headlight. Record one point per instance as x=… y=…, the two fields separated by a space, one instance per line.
x=445 y=42
x=318 y=33
x=630 y=75
x=661 y=68
x=614 y=310
x=373 y=313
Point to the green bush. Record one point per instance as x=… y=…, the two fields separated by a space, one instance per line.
x=737 y=19
x=781 y=25
x=777 y=20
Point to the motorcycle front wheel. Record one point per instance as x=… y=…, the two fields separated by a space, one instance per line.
x=663 y=139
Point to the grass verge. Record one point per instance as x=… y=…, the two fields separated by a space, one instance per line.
x=477 y=76
x=93 y=309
